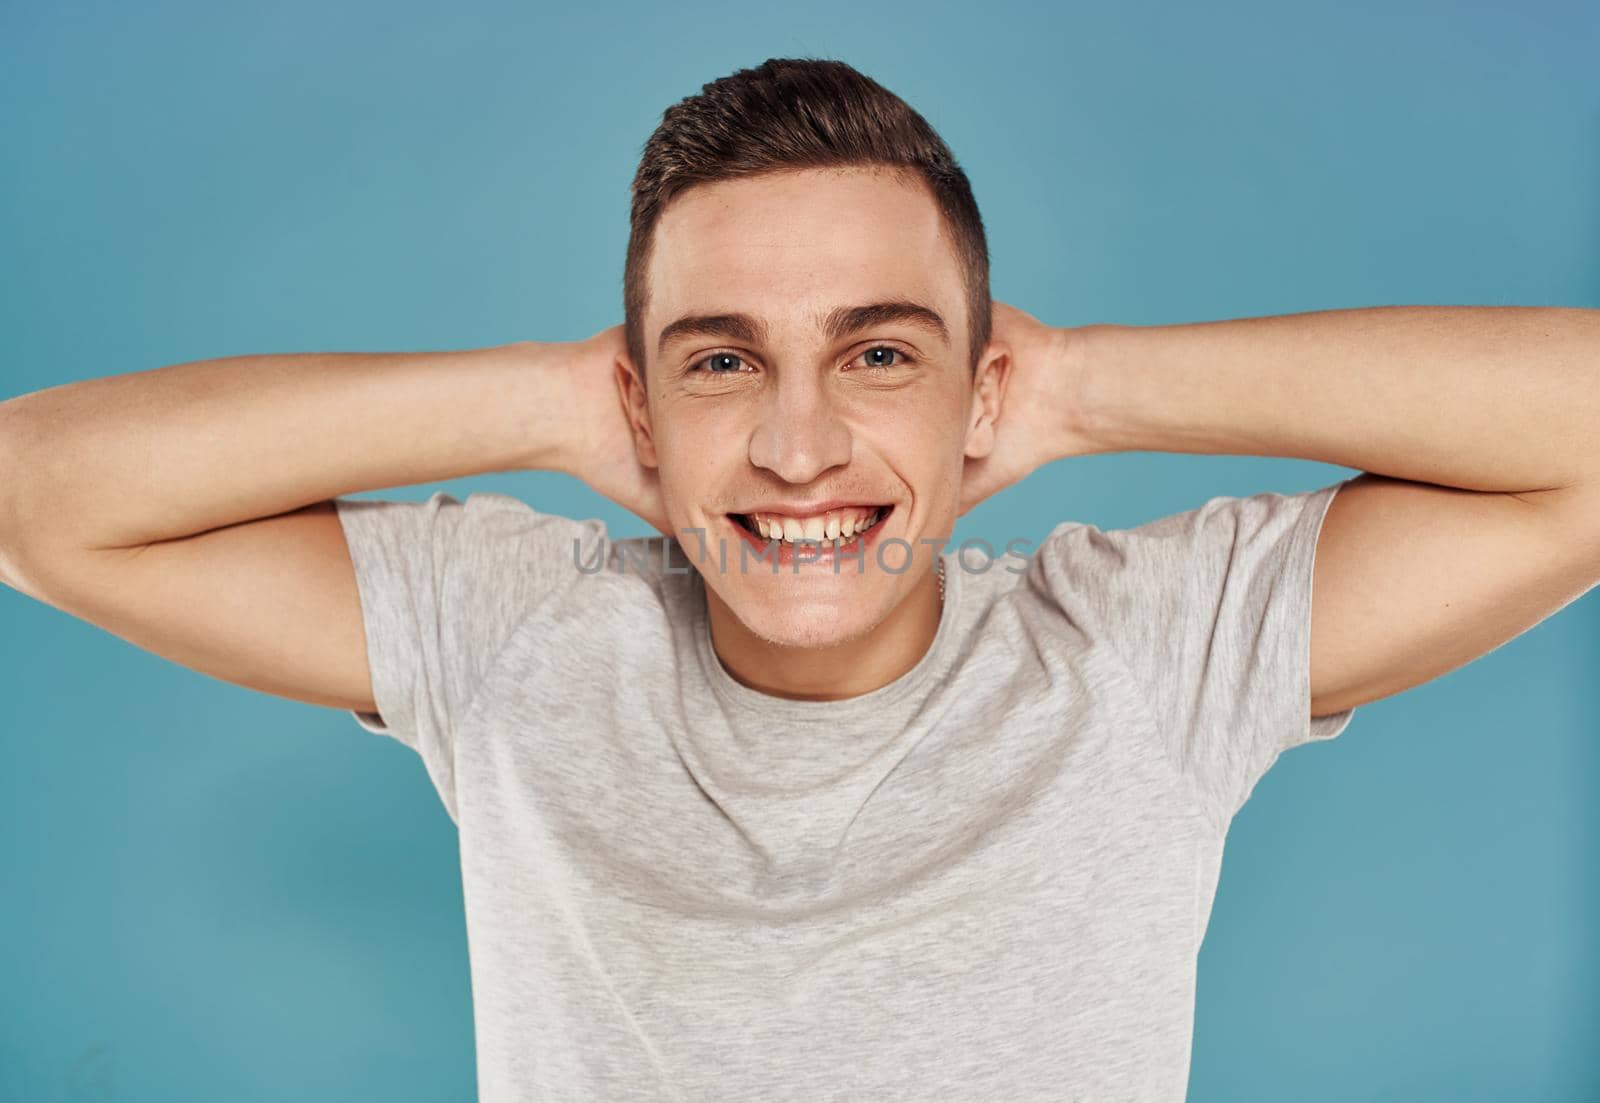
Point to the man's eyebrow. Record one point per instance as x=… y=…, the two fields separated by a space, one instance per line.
x=836 y=325
x=737 y=327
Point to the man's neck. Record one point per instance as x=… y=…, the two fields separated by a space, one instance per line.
x=850 y=669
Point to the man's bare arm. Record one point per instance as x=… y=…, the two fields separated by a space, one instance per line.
x=187 y=509
x=1478 y=512
x=154 y=455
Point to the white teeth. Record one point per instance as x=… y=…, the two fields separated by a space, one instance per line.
x=833 y=525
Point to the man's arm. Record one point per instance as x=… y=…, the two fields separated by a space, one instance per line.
x=187 y=509
x=1478 y=513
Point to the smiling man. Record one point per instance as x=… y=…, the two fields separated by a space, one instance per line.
x=812 y=808
x=809 y=383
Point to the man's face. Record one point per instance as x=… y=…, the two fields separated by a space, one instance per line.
x=801 y=414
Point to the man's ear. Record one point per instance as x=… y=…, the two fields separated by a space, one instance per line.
x=636 y=408
x=988 y=397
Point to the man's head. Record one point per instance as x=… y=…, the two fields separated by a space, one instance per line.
x=789 y=114
x=807 y=317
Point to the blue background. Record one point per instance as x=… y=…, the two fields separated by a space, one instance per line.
x=210 y=892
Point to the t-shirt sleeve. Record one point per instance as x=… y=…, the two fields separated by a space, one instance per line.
x=443 y=584
x=1209 y=611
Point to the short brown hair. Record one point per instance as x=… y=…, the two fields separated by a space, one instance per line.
x=797 y=113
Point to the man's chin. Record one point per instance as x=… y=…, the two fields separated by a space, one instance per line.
x=786 y=625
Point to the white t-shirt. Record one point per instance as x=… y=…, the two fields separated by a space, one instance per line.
x=987 y=880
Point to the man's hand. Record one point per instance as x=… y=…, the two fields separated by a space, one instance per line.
x=1040 y=416
x=599 y=448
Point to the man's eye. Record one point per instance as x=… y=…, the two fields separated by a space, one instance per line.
x=719 y=363
x=873 y=360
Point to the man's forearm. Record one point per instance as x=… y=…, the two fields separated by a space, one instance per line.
x=1480 y=398
x=169 y=452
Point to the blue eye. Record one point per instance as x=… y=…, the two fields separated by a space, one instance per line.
x=883 y=348
x=716 y=358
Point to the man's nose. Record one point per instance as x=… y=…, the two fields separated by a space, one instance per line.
x=801 y=433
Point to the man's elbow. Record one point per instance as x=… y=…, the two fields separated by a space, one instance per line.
x=10 y=474
x=13 y=520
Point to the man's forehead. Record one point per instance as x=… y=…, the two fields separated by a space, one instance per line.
x=800 y=248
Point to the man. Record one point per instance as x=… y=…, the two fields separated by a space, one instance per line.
x=813 y=809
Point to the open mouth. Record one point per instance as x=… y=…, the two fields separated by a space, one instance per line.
x=837 y=529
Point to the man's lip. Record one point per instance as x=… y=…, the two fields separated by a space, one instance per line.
x=808 y=509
